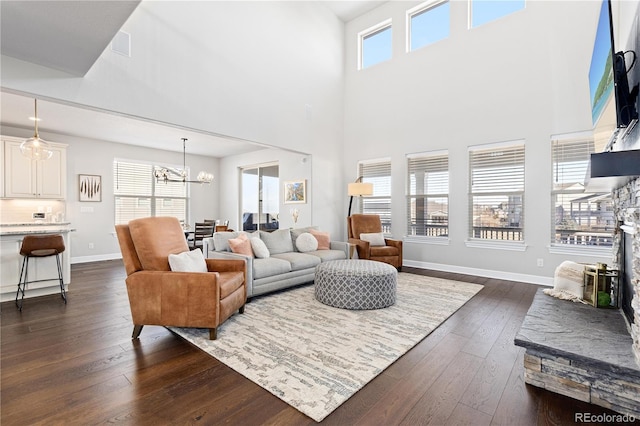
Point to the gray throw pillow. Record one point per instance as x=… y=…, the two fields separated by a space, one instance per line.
x=278 y=241
x=221 y=240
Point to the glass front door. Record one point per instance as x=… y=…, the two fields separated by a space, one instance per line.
x=260 y=198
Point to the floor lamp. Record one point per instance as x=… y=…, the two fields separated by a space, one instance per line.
x=357 y=189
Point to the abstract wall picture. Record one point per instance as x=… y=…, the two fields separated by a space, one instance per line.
x=295 y=192
x=90 y=187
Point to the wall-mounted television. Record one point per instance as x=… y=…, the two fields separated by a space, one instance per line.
x=608 y=73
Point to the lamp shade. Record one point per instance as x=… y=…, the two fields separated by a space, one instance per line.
x=360 y=188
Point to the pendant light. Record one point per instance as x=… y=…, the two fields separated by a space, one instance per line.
x=167 y=175
x=34 y=147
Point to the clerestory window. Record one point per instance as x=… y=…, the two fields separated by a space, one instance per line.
x=374 y=45
x=427 y=23
x=483 y=11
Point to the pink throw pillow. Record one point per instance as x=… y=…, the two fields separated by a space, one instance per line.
x=324 y=241
x=241 y=245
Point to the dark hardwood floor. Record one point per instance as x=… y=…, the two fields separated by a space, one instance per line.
x=76 y=364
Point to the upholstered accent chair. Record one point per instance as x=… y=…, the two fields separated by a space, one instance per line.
x=387 y=250
x=159 y=296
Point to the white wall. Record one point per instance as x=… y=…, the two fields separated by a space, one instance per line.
x=244 y=69
x=92 y=156
x=292 y=166
x=521 y=77
x=269 y=72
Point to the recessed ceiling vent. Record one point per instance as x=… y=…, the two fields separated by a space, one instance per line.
x=121 y=43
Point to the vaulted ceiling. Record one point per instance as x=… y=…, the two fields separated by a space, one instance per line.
x=70 y=35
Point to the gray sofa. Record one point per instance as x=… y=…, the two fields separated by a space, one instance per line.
x=285 y=267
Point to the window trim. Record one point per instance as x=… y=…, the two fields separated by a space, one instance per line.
x=416 y=10
x=387 y=23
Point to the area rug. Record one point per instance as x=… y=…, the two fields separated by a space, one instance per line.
x=315 y=357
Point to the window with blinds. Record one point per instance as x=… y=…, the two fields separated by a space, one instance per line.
x=379 y=174
x=428 y=197
x=497 y=191
x=138 y=195
x=580 y=218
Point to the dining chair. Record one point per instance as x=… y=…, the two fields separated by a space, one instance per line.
x=201 y=230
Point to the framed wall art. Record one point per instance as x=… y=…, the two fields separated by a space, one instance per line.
x=90 y=187
x=295 y=192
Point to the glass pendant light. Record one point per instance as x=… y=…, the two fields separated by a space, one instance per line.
x=34 y=147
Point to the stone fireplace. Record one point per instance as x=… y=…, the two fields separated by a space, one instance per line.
x=588 y=353
x=626 y=255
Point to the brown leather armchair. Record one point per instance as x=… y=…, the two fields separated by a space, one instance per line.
x=158 y=296
x=390 y=253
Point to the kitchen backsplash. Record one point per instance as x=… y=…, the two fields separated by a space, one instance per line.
x=18 y=211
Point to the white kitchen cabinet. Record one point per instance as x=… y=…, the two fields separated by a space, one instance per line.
x=26 y=178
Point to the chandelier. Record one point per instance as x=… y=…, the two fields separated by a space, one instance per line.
x=170 y=174
x=34 y=147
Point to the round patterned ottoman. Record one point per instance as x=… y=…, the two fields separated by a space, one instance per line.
x=356 y=284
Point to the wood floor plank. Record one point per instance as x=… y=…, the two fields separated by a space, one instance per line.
x=77 y=364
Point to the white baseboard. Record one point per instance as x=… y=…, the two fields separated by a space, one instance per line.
x=98 y=258
x=488 y=273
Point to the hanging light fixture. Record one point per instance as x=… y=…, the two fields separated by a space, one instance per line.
x=169 y=174
x=34 y=147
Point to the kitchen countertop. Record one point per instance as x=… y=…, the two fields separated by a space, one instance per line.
x=2 y=225
x=34 y=228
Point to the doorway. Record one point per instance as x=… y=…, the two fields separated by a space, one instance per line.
x=260 y=197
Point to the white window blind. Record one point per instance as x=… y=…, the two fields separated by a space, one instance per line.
x=428 y=198
x=379 y=174
x=497 y=191
x=580 y=218
x=138 y=195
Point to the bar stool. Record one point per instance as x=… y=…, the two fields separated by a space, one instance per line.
x=39 y=246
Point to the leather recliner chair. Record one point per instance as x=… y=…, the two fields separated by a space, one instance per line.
x=390 y=253
x=158 y=296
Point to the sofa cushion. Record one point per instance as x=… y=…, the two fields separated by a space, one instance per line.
x=221 y=240
x=327 y=255
x=188 y=261
x=299 y=261
x=306 y=242
x=277 y=241
x=269 y=267
x=324 y=239
x=259 y=248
